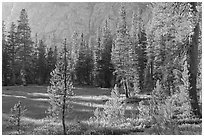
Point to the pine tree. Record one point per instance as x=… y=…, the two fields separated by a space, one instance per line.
x=15 y=119
x=149 y=71
x=55 y=55
x=84 y=65
x=75 y=47
x=34 y=58
x=97 y=60
x=5 y=57
x=12 y=46
x=165 y=44
x=25 y=44
x=80 y=65
x=41 y=62
x=61 y=88
x=89 y=64
x=113 y=112
x=183 y=107
x=74 y=53
x=106 y=64
x=134 y=53
x=120 y=55
x=139 y=42
x=50 y=63
x=142 y=57
x=171 y=37
x=193 y=63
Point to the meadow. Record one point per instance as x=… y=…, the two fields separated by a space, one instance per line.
x=85 y=101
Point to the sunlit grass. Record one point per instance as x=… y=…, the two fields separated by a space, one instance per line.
x=85 y=101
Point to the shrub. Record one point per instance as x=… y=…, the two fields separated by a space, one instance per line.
x=48 y=128
x=113 y=112
x=163 y=111
x=61 y=89
x=16 y=116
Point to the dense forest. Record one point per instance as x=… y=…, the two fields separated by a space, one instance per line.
x=161 y=58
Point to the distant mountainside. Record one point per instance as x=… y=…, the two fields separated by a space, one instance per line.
x=62 y=19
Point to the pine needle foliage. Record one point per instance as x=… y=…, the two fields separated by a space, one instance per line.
x=113 y=112
x=15 y=119
x=61 y=89
x=163 y=111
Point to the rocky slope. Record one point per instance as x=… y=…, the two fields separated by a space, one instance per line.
x=62 y=19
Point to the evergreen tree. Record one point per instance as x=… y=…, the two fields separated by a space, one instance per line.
x=80 y=65
x=61 y=88
x=75 y=47
x=89 y=64
x=121 y=57
x=142 y=57
x=149 y=71
x=84 y=65
x=182 y=100
x=55 y=55
x=41 y=63
x=113 y=112
x=25 y=44
x=193 y=61
x=134 y=52
x=139 y=42
x=172 y=36
x=34 y=63
x=164 y=49
x=12 y=46
x=74 y=53
x=50 y=63
x=5 y=57
x=106 y=64
x=15 y=119
x=97 y=60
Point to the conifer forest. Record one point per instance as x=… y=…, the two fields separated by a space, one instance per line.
x=101 y=68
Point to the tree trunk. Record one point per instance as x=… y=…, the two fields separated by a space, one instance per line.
x=63 y=115
x=65 y=89
x=23 y=76
x=193 y=65
x=13 y=66
x=24 y=65
x=126 y=88
x=13 y=76
x=18 y=121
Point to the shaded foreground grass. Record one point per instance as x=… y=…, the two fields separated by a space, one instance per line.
x=46 y=127
x=35 y=98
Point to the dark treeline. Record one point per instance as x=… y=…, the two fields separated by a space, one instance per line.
x=25 y=61
x=135 y=56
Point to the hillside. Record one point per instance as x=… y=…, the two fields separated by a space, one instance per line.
x=62 y=19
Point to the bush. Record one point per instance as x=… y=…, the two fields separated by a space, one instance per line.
x=48 y=129
x=15 y=119
x=113 y=112
x=163 y=111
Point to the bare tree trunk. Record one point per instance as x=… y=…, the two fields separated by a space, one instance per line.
x=18 y=122
x=13 y=66
x=13 y=76
x=65 y=90
x=125 y=88
x=63 y=115
x=193 y=66
x=23 y=67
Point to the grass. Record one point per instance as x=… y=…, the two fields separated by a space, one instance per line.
x=35 y=98
x=85 y=101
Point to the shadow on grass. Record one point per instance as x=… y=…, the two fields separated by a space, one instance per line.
x=35 y=98
x=80 y=128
